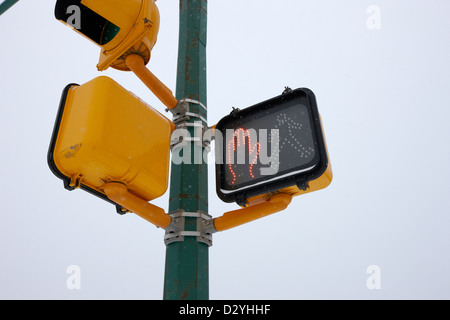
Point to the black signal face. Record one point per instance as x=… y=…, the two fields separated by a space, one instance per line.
x=269 y=146
x=90 y=23
x=285 y=137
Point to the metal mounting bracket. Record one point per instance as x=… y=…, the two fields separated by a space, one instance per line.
x=199 y=138
x=181 y=112
x=175 y=231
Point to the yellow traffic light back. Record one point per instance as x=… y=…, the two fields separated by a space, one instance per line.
x=104 y=133
x=119 y=27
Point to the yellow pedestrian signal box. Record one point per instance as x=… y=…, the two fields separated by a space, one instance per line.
x=104 y=133
x=119 y=27
x=276 y=146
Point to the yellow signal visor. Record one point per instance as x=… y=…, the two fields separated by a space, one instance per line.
x=104 y=133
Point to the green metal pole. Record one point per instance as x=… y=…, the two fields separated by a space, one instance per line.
x=6 y=4
x=186 y=269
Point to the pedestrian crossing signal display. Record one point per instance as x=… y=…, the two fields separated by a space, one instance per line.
x=274 y=146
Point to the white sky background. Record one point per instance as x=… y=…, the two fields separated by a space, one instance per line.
x=384 y=99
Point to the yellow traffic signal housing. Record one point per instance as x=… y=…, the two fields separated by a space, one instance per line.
x=119 y=27
x=276 y=146
x=104 y=133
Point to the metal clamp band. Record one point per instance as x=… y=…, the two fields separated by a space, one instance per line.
x=182 y=137
x=181 y=112
x=182 y=117
x=194 y=102
x=179 y=237
x=199 y=214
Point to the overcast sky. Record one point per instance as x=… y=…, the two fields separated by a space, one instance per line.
x=382 y=88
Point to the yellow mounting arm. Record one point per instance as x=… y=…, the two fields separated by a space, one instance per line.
x=136 y=64
x=235 y=218
x=119 y=193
